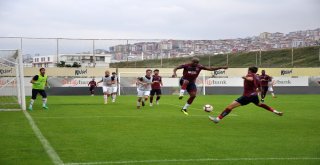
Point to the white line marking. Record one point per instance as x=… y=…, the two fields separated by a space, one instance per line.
x=194 y=109
x=81 y=117
x=187 y=160
x=9 y=110
x=45 y=143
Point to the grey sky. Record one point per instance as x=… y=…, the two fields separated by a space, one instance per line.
x=164 y=19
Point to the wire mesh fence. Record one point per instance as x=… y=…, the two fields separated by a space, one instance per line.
x=161 y=53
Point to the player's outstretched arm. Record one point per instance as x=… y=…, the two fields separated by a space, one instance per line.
x=215 y=68
x=175 y=71
x=247 y=78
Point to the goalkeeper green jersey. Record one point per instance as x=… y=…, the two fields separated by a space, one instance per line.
x=40 y=82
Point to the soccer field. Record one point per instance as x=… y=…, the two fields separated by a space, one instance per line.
x=82 y=130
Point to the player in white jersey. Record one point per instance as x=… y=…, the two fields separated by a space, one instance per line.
x=114 y=87
x=107 y=82
x=270 y=87
x=143 y=88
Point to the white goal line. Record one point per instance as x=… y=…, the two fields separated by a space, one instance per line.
x=189 y=160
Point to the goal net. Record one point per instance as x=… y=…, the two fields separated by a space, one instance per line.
x=12 y=94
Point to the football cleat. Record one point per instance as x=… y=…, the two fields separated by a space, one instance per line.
x=45 y=107
x=279 y=113
x=184 y=111
x=214 y=119
x=30 y=109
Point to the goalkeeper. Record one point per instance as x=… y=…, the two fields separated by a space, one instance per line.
x=39 y=82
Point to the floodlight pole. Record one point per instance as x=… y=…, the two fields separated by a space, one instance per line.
x=161 y=57
x=319 y=54
x=256 y=58
x=227 y=59
x=93 y=54
x=260 y=57
x=292 y=57
x=58 y=51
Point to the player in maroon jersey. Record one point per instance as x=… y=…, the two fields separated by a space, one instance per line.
x=155 y=87
x=264 y=79
x=188 y=80
x=92 y=84
x=250 y=95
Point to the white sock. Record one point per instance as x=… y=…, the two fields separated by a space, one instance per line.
x=114 y=96
x=272 y=94
x=105 y=98
x=186 y=106
x=44 y=101
x=182 y=91
x=31 y=103
x=275 y=111
x=138 y=103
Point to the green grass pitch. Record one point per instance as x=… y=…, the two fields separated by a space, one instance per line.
x=81 y=129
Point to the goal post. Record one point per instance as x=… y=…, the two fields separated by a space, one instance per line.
x=12 y=92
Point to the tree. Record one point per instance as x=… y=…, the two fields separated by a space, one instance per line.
x=61 y=64
x=76 y=65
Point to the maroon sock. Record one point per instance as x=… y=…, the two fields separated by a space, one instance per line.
x=266 y=107
x=184 y=86
x=224 y=113
x=158 y=98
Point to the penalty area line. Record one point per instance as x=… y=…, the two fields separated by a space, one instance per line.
x=45 y=143
x=188 y=160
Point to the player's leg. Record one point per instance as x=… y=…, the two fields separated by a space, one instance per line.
x=243 y=100
x=192 y=90
x=152 y=92
x=266 y=107
x=263 y=93
x=184 y=84
x=105 y=94
x=92 y=91
x=158 y=92
x=146 y=95
x=139 y=95
x=225 y=112
x=270 y=89
x=114 y=94
x=33 y=97
x=44 y=98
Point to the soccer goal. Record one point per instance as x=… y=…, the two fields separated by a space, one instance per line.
x=12 y=93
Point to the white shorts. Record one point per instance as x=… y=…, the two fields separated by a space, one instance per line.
x=114 y=89
x=106 y=89
x=270 y=88
x=143 y=93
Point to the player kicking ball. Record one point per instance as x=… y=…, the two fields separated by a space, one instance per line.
x=250 y=95
x=188 y=81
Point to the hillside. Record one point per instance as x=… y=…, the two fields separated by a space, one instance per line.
x=303 y=57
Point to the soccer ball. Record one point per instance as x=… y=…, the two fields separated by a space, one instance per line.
x=207 y=108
